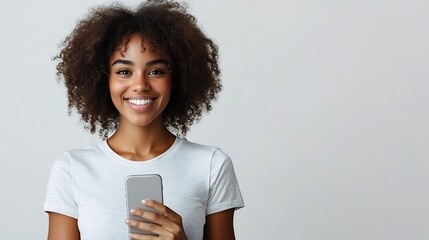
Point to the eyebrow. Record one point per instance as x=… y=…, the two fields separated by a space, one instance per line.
x=153 y=62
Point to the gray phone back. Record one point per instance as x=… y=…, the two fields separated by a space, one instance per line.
x=138 y=188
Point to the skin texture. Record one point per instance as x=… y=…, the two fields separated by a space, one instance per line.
x=220 y=226
x=62 y=227
x=83 y=62
x=137 y=71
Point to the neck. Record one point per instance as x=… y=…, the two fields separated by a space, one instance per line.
x=141 y=143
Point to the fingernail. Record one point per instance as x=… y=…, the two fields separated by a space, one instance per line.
x=132 y=235
x=133 y=211
x=127 y=221
x=144 y=201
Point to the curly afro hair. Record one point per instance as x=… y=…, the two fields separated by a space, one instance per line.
x=193 y=59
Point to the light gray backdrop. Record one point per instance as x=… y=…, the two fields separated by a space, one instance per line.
x=324 y=113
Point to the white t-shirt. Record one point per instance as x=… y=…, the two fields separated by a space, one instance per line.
x=89 y=185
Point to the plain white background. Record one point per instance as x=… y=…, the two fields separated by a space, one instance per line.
x=324 y=113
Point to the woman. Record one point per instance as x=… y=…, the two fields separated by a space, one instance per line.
x=142 y=75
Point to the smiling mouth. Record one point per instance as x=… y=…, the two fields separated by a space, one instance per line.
x=140 y=102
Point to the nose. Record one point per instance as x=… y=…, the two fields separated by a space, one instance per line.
x=140 y=83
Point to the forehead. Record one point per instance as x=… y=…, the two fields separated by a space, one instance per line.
x=135 y=43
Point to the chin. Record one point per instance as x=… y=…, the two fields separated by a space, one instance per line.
x=142 y=122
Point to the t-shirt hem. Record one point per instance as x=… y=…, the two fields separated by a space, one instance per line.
x=61 y=210
x=224 y=206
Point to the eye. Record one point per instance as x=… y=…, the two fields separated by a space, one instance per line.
x=156 y=72
x=123 y=72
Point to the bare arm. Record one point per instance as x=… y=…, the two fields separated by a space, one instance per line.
x=62 y=227
x=220 y=226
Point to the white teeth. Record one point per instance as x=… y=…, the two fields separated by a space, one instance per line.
x=140 y=101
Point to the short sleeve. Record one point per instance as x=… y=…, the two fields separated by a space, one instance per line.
x=59 y=196
x=224 y=191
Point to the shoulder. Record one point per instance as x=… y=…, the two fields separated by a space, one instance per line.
x=79 y=156
x=210 y=156
x=193 y=148
x=86 y=152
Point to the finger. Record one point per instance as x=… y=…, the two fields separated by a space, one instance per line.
x=169 y=227
x=164 y=210
x=150 y=216
x=174 y=223
x=168 y=224
x=145 y=226
x=142 y=237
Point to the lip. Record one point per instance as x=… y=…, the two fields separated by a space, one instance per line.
x=140 y=108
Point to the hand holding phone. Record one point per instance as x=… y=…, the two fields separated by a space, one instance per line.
x=138 y=188
x=166 y=223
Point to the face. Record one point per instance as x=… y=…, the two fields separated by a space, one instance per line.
x=139 y=82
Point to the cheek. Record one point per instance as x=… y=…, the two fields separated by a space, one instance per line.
x=167 y=88
x=115 y=89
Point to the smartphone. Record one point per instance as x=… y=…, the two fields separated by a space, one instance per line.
x=138 y=188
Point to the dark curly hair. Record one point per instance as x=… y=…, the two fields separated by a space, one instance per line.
x=193 y=59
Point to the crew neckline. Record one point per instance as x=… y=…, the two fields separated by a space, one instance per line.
x=118 y=158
